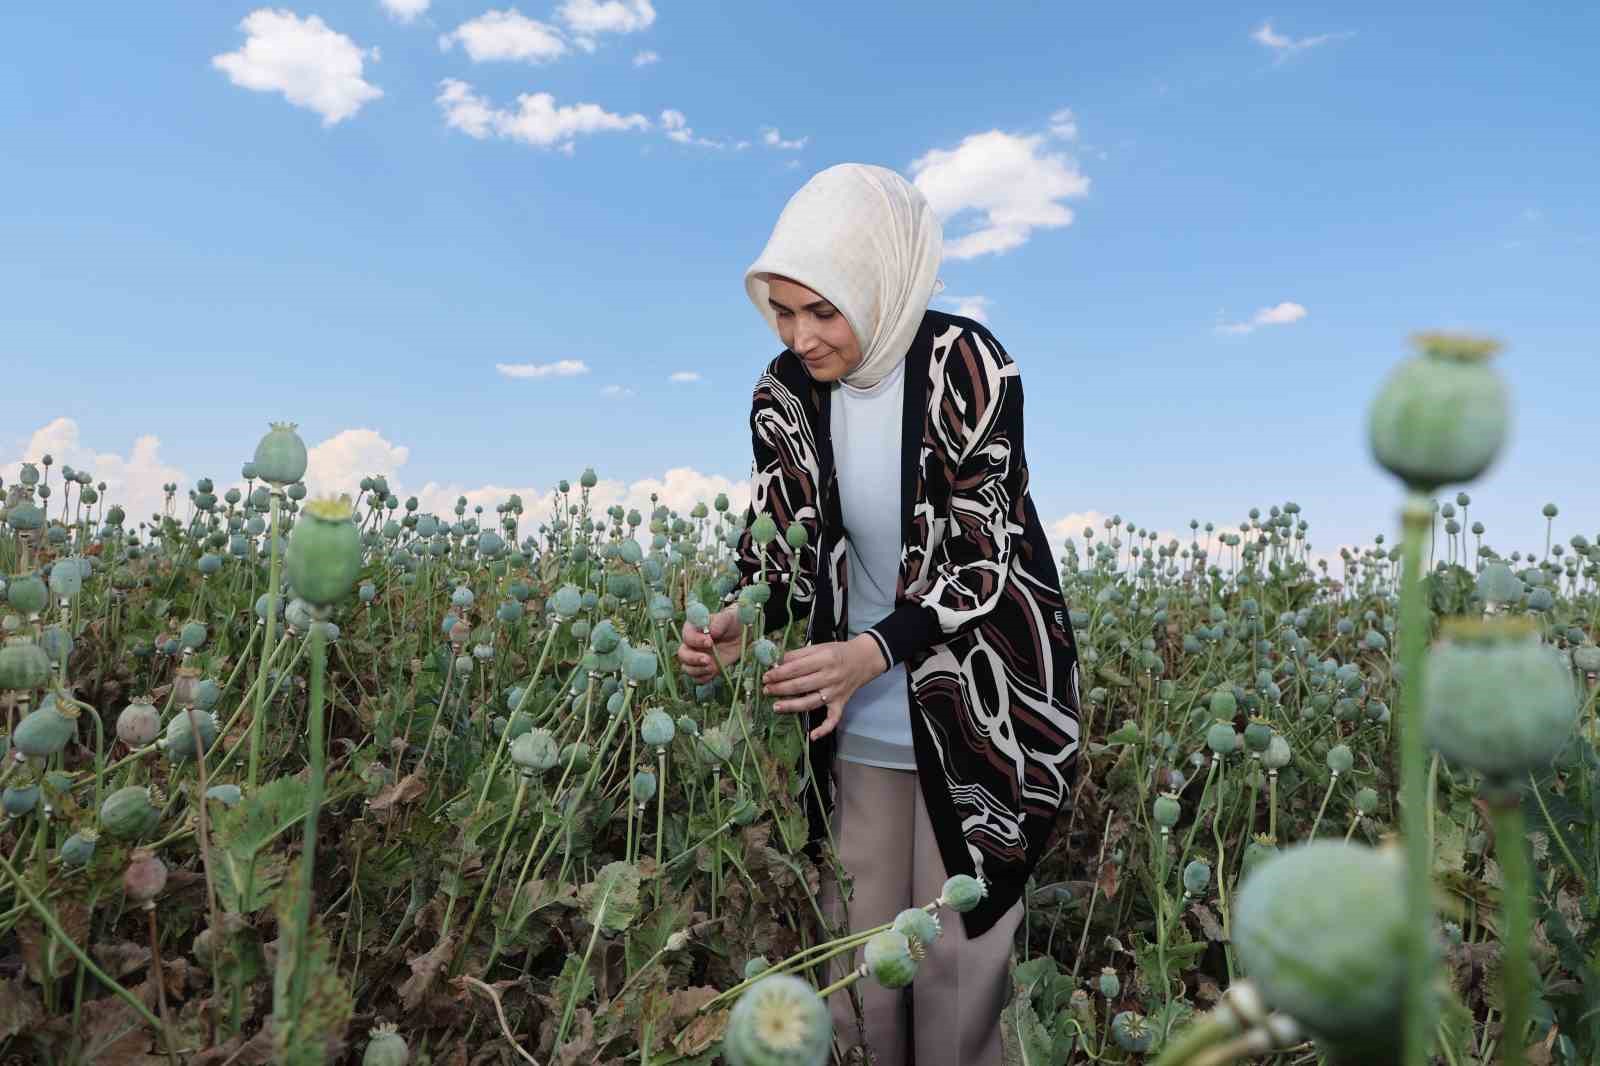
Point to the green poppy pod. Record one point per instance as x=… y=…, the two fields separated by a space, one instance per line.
x=45 y=731
x=697 y=614
x=179 y=742
x=779 y=1021
x=461 y=597
x=721 y=503
x=18 y=800
x=588 y=479
x=962 y=893
x=1340 y=759
x=756 y=967
x=644 y=786
x=386 y=1047
x=660 y=608
x=657 y=729
x=78 y=849
x=716 y=746
x=280 y=456
x=192 y=635
x=888 y=959
x=1221 y=738
x=129 y=813
x=1277 y=755
x=25 y=517
x=66 y=579
x=1132 y=1032
x=1110 y=985
x=1257 y=735
x=23 y=665
x=1442 y=416
x=1367 y=800
x=27 y=594
x=1196 y=876
x=324 y=553
x=1496 y=699
x=763 y=531
x=631 y=552
x=765 y=652
x=228 y=795
x=535 y=751
x=640 y=665
x=1167 y=810
x=604 y=638
x=1322 y=929
x=567 y=602
x=576 y=755
x=1586 y=657
x=1224 y=704
x=920 y=929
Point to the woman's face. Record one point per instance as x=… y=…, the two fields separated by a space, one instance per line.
x=813 y=329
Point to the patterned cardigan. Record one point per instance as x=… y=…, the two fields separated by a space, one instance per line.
x=980 y=621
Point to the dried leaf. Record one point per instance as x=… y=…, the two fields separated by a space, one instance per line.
x=1107 y=879
x=702 y=1032
x=119 y=960
x=424 y=970
x=402 y=791
x=1208 y=922
x=20 y=1009
x=113 y=1035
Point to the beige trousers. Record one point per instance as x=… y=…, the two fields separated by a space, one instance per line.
x=886 y=844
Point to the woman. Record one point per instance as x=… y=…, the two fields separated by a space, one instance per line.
x=940 y=675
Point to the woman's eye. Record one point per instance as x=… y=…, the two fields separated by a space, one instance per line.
x=785 y=314
x=825 y=315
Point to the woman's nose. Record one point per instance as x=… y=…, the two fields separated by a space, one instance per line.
x=805 y=338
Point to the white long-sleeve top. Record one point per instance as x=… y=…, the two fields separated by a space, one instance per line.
x=866 y=428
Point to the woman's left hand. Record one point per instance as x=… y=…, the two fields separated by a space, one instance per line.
x=824 y=675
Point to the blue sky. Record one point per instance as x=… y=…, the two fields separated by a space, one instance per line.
x=1216 y=229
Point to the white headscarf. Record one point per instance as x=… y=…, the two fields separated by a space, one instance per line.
x=864 y=239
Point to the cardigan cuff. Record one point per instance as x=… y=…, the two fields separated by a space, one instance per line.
x=906 y=630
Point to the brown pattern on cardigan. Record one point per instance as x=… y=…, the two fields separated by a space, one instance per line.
x=979 y=621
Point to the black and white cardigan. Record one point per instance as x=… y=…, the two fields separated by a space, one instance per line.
x=980 y=621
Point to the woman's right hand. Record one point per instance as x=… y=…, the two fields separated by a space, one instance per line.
x=721 y=638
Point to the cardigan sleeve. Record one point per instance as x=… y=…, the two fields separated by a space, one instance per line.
x=783 y=486
x=967 y=572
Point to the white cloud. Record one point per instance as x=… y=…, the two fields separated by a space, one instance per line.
x=133 y=481
x=684 y=376
x=678 y=129
x=1072 y=526
x=1064 y=124
x=537 y=119
x=974 y=307
x=563 y=368
x=1283 y=47
x=773 y=139
x=310 y=64
x=405 y=10
x=616 y=391
x=1277 y=315
x=1006 y=181
x=646 y=58
x=680 y=488
x=339 y=463
x=587 y=18
x=499 y=35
